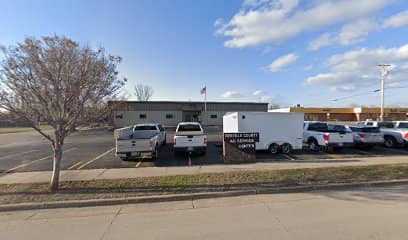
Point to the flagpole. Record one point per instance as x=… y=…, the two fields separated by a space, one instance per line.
x=205 y=100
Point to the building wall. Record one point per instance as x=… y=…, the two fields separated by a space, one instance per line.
x=343 y=117
x=126 y=118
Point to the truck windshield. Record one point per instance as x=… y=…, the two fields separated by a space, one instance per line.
x=189 y=128
x=403 y=125
x=144 y=127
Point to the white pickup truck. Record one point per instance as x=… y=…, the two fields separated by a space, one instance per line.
x=140 y=141
x=321 y=135
x=190 y=137
x=395 y=133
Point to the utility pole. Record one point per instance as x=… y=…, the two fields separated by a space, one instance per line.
x=384 y=72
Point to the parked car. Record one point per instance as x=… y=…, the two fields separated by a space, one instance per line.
x=395 y=133
x=321 y=135
x=190 y=137
x=140 y=141
x=367 y=136
x=277 y=131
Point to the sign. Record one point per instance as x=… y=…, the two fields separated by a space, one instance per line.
x=240 y=147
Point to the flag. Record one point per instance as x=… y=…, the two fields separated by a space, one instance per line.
x=203 y=90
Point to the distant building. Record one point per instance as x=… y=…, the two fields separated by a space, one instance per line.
x=347 y=114
x=170 y=113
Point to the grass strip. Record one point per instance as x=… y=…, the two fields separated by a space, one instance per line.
x=21 y=129
x=76 y=190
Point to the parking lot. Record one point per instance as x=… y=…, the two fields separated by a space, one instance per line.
x=94 y=149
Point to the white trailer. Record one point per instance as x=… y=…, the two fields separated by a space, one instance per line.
x=277 y=131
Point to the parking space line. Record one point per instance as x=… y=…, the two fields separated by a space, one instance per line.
x=363 y=152
x=288 y=157
x=18 y=154
x=75 y=165
x=93 y=160
x=138 y=163
x=394 y=150
x=34 y=161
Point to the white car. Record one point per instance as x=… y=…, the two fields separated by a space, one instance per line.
x=190 y=137
x=321 y=135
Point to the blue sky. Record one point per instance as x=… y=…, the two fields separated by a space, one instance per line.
x=285 y=52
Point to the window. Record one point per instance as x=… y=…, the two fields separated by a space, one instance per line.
x=320 y=127
x=386 y=124
x=142 y=116
x=145 y=128
x=189 y=127
x=169 y=116
x=119 y=116
x=213 y=116
x=403 y=125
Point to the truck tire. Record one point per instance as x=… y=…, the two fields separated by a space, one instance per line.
x=164 y=141
x=313 y=145
x=286 y=148
x=390 y=141
x=155 y=154
x=273 y=148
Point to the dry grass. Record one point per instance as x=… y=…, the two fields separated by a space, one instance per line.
x=21 y=129
x=16 y=193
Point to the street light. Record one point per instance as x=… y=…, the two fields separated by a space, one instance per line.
x=384 y=72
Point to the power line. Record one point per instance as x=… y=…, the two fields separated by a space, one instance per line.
x=357 y=95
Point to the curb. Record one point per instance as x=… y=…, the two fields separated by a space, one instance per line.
x=193 y=196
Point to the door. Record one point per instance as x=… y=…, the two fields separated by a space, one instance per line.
x=191 y=116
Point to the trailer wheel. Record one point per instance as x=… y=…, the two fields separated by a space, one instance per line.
x=313 y=145
x=273 y=148
x=286 y=148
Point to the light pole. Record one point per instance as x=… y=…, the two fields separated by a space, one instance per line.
x=384 y=72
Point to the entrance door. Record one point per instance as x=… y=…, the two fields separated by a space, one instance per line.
x=191 y=116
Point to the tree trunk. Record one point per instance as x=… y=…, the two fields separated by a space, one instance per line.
x=56 y=167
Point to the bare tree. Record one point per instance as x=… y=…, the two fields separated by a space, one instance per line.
x=143 y=92
x=58 y=81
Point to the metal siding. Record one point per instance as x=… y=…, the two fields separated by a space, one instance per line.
x=156 y=111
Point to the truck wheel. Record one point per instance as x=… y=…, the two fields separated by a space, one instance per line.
x=273 y=148
x=313 y=145
x=286 y=148
x=155 y=154
x=390 y=141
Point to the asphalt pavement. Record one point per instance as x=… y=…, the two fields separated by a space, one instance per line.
x=94 y=149
x=366 y=213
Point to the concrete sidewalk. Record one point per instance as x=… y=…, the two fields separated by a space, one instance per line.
x=95 y=174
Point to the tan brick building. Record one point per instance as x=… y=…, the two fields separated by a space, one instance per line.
x=347 y=114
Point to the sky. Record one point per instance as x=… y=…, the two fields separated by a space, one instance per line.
x=286 y=52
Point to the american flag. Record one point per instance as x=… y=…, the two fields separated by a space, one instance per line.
x=203 y=90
